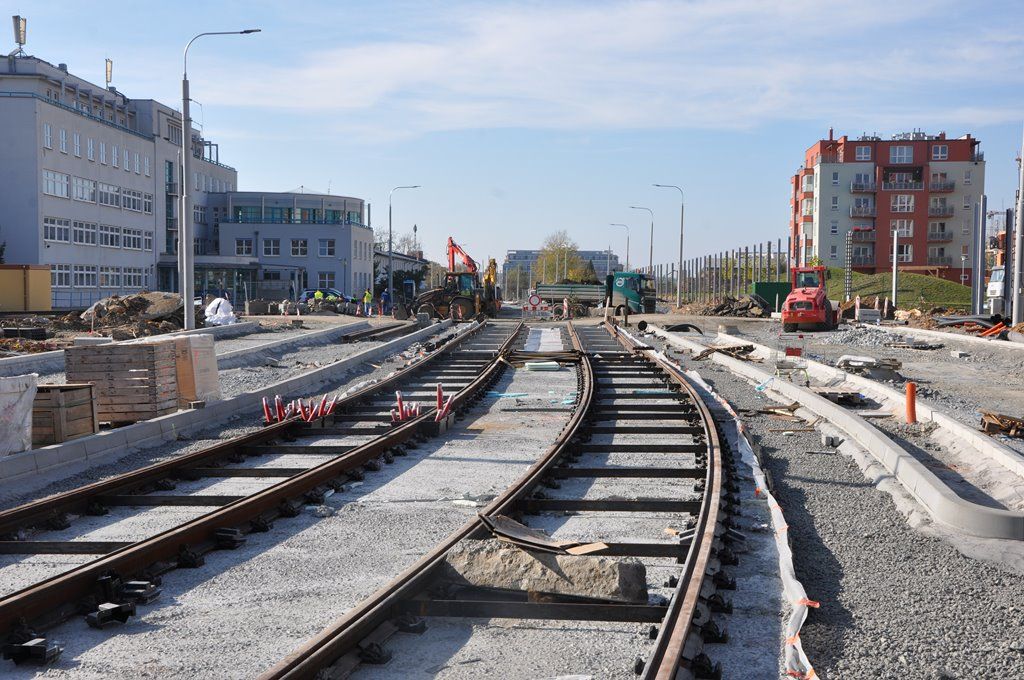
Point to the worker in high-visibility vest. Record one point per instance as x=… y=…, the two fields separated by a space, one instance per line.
x=367 y=302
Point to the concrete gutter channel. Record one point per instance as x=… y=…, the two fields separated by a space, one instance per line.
x=940 y=501
x=22 y=466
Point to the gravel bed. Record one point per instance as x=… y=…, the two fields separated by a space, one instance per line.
x=895 y=602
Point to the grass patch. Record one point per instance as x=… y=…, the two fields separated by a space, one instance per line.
x=915 y=290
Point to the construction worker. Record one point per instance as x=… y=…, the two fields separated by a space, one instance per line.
x=319 y=295
x=367 y=302
x=385 y=302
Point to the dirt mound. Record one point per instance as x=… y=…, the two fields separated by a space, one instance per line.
x=746 y=306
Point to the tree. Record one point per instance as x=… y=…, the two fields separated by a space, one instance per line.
x=559 y=260
x=400 y=243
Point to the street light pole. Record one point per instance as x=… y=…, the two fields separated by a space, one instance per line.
x=682 y=210
x=619 y=224
x=186 y=264
x=650 y=263
x=391 y=254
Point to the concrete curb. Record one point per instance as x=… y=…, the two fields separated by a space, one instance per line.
x=53 y=362
x=239 y=357
x=950 y=337
x=940 y=501
x=153 y=432
x=990 y=448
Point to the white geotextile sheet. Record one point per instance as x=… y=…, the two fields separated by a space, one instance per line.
x=16 y=396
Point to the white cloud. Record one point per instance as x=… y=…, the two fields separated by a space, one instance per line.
x=730 y=64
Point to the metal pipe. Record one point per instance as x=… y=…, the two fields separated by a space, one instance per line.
x=1017 y=313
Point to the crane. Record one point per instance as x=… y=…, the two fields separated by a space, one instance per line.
x=454 y=248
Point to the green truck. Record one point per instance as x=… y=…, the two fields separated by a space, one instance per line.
x=624 y=289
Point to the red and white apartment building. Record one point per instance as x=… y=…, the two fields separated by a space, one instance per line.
x=924 y=187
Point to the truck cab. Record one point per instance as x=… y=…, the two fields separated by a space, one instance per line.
x=995 y=289
x=634 y=290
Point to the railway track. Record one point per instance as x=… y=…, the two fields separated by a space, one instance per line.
x=233 y=489
x=637 y=424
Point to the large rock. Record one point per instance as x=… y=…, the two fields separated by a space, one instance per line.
x=496 y=564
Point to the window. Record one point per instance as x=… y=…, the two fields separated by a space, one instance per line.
x=809 y=182
x=835 y=179
x=84 y=275
x=271 y=247
x=109 y=194
x=84 y=189
x=77 y=144
x=967 y=201
x=901 y=154
x=243 y=246
x=132 y=277
x=56 y=229
x=131 y=238
x=199 y=214
x=84 y=232
x=131 y=200
x=55 y=184
x=195 y=180
x=137 y=163
x=326 y=247
x=114 y=156
x=808 y=207
x=126 y=159
x=325 y=279
x=904 y=252
x=63 y=140
x=902 y=203
x=147 y=203
x=110 y=237
x=835 y=203
x=832 y=252
x=299 y=247
x=269 y=275
x=833 y=228
x=940 y=152
x=936 y=228
x=110 y=277
x=174 y=133
x=103 y=153
x=905 y=228
x=965 y=228
x=965 y=249
x=47 y=136
x=90 y=149
x=145 y=166
x=967 y=176
x=60 y=276
x=863 y=153
x=147 y=240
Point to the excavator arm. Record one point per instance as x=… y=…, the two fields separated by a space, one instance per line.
x=454 y=248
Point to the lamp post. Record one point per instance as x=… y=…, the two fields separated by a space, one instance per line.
x=682 y=209
x=619 y=224
x=650 y=262
x=186 y=264
x=391 y=258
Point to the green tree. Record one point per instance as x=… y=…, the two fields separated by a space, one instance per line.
x=558 y=257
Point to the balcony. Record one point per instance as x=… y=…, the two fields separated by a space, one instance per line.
x=940 y=236
x=863 y=187
x=172 y=222
x=863 y=236
x=940 y=211
x=863 y=211
x=902 y=186
x=862 y=260
x=172 y=189
x=940 y=261
x=944 y=186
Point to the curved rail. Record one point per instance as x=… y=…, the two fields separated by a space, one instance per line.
x=52 y=600
x=339 y=645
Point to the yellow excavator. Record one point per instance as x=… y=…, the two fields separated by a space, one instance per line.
x=462 y=295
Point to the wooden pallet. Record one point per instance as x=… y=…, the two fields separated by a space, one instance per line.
x=63 y=412
x=132 y=382
x=999 y=423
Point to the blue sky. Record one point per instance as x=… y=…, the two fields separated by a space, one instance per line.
x=523 y=118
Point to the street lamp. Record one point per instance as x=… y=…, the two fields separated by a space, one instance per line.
x=651 y=261
x=619 y=224
x=391 y=258
x=186 y=266
x=679 y=270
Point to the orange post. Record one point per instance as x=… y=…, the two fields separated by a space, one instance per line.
x=911 y=402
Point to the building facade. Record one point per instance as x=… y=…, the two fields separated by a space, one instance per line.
x=284 y=241
x=604 y=262
x=921 y=187
x=88 y=182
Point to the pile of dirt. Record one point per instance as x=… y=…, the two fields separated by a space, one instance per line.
x=14 y=346
x=131 y=316
x=753 y=306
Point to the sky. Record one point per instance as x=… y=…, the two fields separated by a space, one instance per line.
x=523 y=118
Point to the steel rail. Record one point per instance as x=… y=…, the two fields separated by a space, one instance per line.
x=371 y=616
x=344 y=634
x=668 y=654
x=54 y=599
